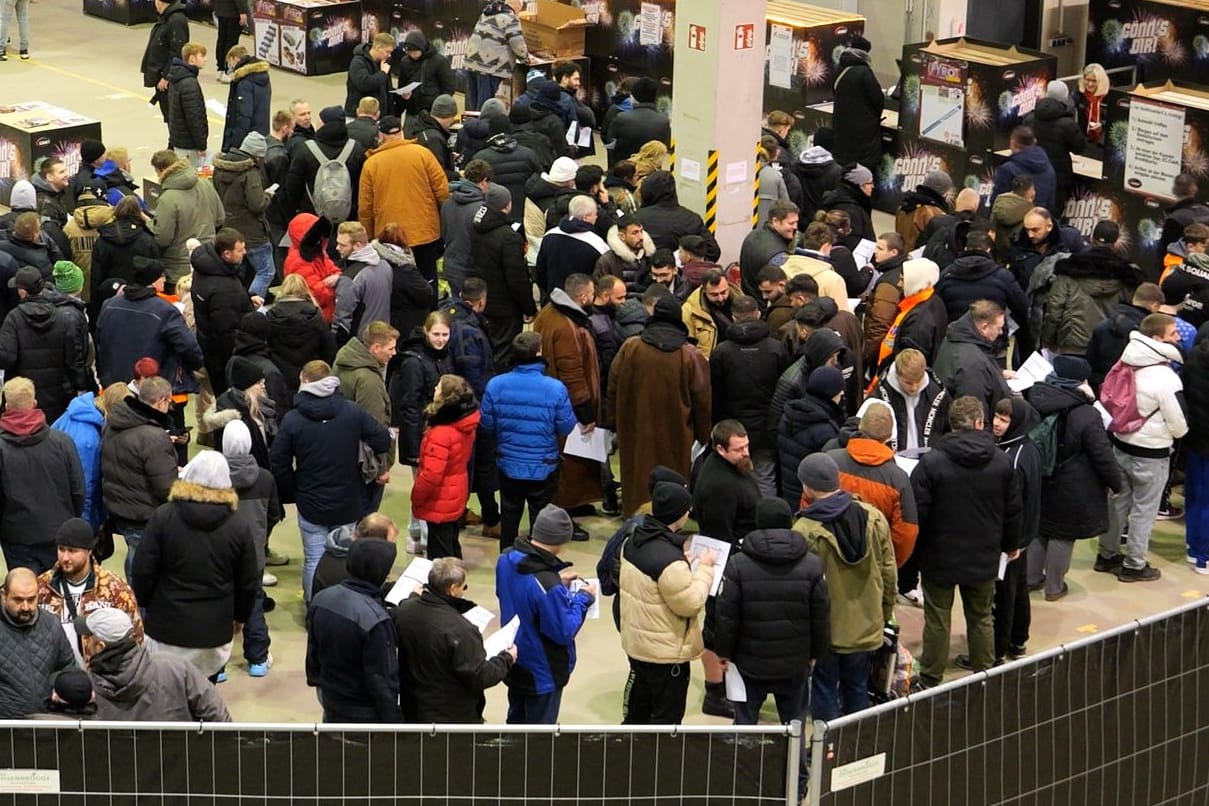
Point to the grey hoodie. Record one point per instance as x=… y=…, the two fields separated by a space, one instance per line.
x=457 y=222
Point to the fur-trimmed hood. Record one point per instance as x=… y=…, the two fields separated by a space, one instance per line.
x=180 y=175
x=396 y=256
x=1100 y=263
x=188 y=492
x=247 y=68
x=624 y=252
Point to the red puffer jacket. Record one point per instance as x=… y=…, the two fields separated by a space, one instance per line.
x=442 y=485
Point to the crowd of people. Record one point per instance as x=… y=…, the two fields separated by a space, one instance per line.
x=475 y=305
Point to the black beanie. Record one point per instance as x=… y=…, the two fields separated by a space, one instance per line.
x=371 y=560
x=670 y=502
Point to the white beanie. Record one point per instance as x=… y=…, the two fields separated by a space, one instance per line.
x=918 y=274
x=236 y=439
x=24 y=197
x=208 y=469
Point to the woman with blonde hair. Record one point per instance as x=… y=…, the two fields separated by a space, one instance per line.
x=649 y=159
x=772 y=183
x=442 y=485
x=298 y=333
x=1089 y=102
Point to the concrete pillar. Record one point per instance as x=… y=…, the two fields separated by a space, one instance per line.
x=717 y=95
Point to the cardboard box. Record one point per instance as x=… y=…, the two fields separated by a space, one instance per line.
x=554 y=29
x=127 y=12
x=32 y=130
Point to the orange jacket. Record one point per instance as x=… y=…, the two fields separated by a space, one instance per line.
x=403 y=183
x=868 y=471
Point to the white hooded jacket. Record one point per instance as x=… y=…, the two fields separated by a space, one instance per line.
x=1159 y=390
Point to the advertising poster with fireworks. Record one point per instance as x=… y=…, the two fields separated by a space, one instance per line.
x=1163 y=39
x=942 y=93
x=801 y=63
x=1193 y=135
x=907 y=167
x=317 y=38
x=614 y=40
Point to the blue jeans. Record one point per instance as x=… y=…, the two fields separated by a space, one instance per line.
x=1196 y=506
x=256 y=632
x=480 y=88
x=840 y=685
x=533 y=709
x=6 y=12
x=260 y=258
x=133 y=534
x=314 y=537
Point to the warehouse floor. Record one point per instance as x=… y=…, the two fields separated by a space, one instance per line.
x=90 y=66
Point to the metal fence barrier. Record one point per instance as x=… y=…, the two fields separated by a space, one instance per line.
x=1120 y=718
x=240 y=764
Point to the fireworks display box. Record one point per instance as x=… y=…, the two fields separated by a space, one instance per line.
x=33 y=130
x=312 y=37
x=200 y=11
x=554 y=30
x=628 y=38
x=1162 y=38
x=127 y=12
x=802 y=57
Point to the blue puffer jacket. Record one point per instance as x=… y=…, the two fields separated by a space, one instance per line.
x=83 y=422
x=530 y=415
x=469 y=347
x=550 y=616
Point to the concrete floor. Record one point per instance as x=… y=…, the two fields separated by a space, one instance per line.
x=91 y=67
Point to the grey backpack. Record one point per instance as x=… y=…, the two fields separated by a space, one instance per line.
x=332 y=194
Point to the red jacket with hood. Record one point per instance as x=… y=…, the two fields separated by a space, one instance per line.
x=308 y=256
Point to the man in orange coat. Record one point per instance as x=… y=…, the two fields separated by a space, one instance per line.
x=403 y=183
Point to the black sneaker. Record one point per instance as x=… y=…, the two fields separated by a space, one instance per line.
x=964 y=662
x=1146 y=573
x=580 y=534
x=1168 y=512
x=918 y=686
x=1015 y=652
x=1109 y=565
x=3 y=56
x=611 y=504
x=717 y=705
x=25 y=55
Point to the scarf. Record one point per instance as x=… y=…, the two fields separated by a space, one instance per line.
x=904 y=307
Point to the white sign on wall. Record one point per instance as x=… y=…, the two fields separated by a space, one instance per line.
x=1154 y=147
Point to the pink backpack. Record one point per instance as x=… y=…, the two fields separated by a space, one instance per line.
x=1119 y=396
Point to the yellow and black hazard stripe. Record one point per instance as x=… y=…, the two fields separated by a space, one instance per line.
x=755 y=198
x=711 y=192
x=671 y=156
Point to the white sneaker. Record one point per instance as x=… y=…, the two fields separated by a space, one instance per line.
x=223 y=78
x=268 y=580
x=1201 y=569
x=913 y=598
x=413 y=546
x=1190 y=559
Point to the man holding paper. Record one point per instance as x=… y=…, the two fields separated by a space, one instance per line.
x=661 y=597
x=443 y=667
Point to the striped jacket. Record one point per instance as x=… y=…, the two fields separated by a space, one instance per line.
x=497 y=42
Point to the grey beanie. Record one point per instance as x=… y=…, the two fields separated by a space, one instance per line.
x=819 y=472
x=1058 y=91
x=553 y=526
x=444 y=106
x=254 y=145
x=497 y=197
x=859 y=175
x=938 y=181
x=493 y=108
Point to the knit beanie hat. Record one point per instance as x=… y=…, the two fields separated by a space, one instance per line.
x=76 y=533
x=444 y=106
x=497 y=197
x=236 y=439
x=819 y=472
x=918 y=274
x=664 y=473
x=91 y=151
x=773 y=513
x=332 y=114
x=670 y=502
x=69 y=278
x=1072 y=367
x=667 y=309
x=244 y=372
x=493 y=108
x=74 y=687
x=254 y=145
x=553 y=526
x=208 y=469
x=825 y=382
x=859 y=175
x=938 y=181
x=1058 y=91
x=24 y=196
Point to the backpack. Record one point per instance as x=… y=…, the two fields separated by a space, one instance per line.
x=1046 y=435
x=609 y=566
x=1119 y=396
x=332 y=193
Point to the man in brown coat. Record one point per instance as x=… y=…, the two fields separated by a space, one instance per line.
x=570 y=353
x=656 y=421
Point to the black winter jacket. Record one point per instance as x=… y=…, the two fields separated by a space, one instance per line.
x=974 y=276
x=316 y=458
x=299 y=182
x=1027 y=465
x=807 y=425
x=425 y=130
x=169 y=34
x=773 y=612
x=818 y=173
x=118 y=246
x=631 y=130
x=443 y=669
x=966 y=366
x=41 y=254
x=196 y=571
x=240 y=184
x=298 y=334
x=256 y=349
x=513 y=166
x=931 y=409
x=1059 y=136
x=364 y=131
x=219 y=302
x=411 y=297
x=859 y=102
x=1108 y=340
x=1179 y=216
x=724 y=500
x=497 y=254
x=923 y=328
x=970 y=510
x=666 y=221
x=41 y=480
x=365 y=80
x=38 y=340
x=850 y=199
x=411 y=388
x=138 y=460
x=1195 y=376
x=1074 y=501
x=743 y=373
x=572 y=247
x=249 y=101
x=188 y=124
x=431 y=70
x=469 y=347
x=138 y=323
x=761 y=247
x=31 y=656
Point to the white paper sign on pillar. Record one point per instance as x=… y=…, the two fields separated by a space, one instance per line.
x=780 y=56
x=1154 y=147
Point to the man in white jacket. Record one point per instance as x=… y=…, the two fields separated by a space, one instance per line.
x=1144 y=454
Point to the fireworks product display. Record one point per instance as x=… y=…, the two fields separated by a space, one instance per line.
x=1163 y=38
x=33 y=130
x=803 y=53
x=312 y=37
x=127 y=12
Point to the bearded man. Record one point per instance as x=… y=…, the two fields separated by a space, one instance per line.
x=726 y=493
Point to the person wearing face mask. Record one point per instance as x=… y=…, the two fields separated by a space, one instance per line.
x=33 y=649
